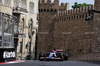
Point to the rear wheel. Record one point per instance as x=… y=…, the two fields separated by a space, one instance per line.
x=61 y=56
x=41 y=59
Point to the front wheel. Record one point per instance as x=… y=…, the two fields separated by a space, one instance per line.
x=40 y=55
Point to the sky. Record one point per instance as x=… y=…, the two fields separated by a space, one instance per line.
x=71 y=2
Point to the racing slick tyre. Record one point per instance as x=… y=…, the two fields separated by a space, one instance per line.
x=47 y=54
x=41 y=59
x=65 y=56
x=61 y=56
x=40 y=55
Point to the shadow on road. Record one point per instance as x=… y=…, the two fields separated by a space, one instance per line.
x=93 y=62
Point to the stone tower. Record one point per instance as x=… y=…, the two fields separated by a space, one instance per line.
x=96 y=45
x=47 y=13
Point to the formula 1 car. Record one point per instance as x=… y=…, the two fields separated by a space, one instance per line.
x=53 y=55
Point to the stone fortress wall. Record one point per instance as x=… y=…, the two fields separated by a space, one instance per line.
x=65 y=29
x=72 y=33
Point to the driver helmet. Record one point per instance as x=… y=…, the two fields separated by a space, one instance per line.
x=53 y=50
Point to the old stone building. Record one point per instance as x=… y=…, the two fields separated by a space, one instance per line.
x=25 y=27
x=66 y=29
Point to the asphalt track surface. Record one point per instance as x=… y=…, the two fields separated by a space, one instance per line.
x=53 y=63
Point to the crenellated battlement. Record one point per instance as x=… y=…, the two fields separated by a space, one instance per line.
x=43 y=2
x=64 y=6
x=48 y=6
x=74 y=11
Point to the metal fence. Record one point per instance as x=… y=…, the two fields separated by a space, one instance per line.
x=7 y=30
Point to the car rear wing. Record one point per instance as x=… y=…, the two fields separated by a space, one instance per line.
x=59 y=50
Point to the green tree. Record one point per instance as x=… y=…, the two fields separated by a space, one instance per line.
x=76 y=5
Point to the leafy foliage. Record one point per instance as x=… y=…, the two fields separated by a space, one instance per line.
x=76 y=5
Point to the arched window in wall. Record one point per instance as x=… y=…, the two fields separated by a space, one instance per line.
x=55 y=10
x=41 y=10
x=0 y=1
x=44 y=10
x=7 y=3
x=80 y=16
x=74 y=17
x=31 y=9
x=30 y=28
x=16 y=27
x=69 y=18
x=51 y=10
x=77 y=17
x=21 y=27
x=23 y=4
x=23 y=24
x=83 y=16
x=16 y=3
x=62 y=18
x=47 y=10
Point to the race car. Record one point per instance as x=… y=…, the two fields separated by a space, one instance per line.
x=57 y=54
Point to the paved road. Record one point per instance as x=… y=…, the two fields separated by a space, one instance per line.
x=54 y=63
